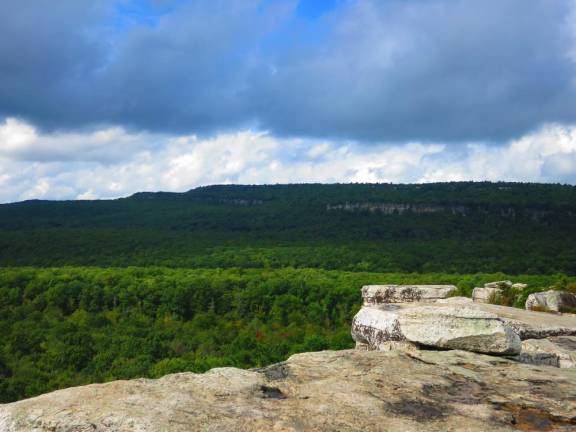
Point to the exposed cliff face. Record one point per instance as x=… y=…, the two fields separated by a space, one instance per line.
x=388 y=208
x=397 y=208
x=325 y=391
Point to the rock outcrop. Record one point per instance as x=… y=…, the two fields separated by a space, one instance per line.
x=451 y=323
x=379 y=294
x=531 y=324
x=353 y=391
x=559 y=351
x=435 y=325
x=493 y=289
x=499 y=284
x=554 y=301
x=484 y=295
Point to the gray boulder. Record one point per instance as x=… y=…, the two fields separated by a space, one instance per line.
x=436 y=325
x=483 y=295
x=519 y=286
x=559 y=351
x=554 y=301
x=383 y=294
x=498 y=284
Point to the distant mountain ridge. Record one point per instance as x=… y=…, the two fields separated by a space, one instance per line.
x=454 y=227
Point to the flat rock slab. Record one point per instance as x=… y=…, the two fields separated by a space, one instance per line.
x=560 y=351
x=383 y=294
x=443 y=325
x=527 y=324
x=532 y=324
x=349 y=391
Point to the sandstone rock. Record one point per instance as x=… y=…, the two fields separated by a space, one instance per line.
x=561 y=348
x=376 y=326
x=519 y=286
x=381 y=294
x=389 y=346
x=484 y=295
x=554 y=301
x=439 y=325
x=455 y=300
x=352 y=391
x=530 y=324
x=498 y=284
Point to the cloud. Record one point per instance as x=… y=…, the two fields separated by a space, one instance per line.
x=450 y=71
x=441 y=70
x=179 y=163
x=21 y=141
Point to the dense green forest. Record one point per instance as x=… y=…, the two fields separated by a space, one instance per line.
x=445 y=227
x=244 y=276
x=69 y=326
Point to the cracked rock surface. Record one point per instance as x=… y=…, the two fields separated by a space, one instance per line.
x=324 y=391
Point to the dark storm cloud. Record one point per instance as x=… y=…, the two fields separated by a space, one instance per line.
x=436 y=70
x=450 y=70
x=48 y=53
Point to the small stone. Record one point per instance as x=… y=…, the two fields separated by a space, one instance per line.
x=498 y=284
x=484 y=295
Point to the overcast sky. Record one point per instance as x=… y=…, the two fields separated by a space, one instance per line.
x=104 y=98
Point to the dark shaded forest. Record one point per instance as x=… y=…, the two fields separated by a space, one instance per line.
x=445 y=227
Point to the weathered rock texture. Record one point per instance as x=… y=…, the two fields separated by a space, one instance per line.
x=498 y=284
x=433 y=391
x=484 y=295
x=380 y=294
x=457 y=323
x=551 y=300
x=435 y=325
x=560 y=350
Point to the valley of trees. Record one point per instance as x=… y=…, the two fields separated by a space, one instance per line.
x=72 y=325
x=244 y=276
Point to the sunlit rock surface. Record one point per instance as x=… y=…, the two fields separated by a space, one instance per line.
x=379 y=294
x=457 y=323
x=484 y=295
x=559 y=351
x=443 y=325
x=554 y=301
x=433 y=391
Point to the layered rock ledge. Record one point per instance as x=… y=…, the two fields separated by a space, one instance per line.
x=447 y=326
x=325 y=391
x=411 y=317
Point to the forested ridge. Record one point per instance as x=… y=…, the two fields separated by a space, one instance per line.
x=447 y=227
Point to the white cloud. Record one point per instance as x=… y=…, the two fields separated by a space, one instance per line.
x=21 y=141
x=113 y=162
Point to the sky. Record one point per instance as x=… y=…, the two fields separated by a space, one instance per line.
x=104 y=98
